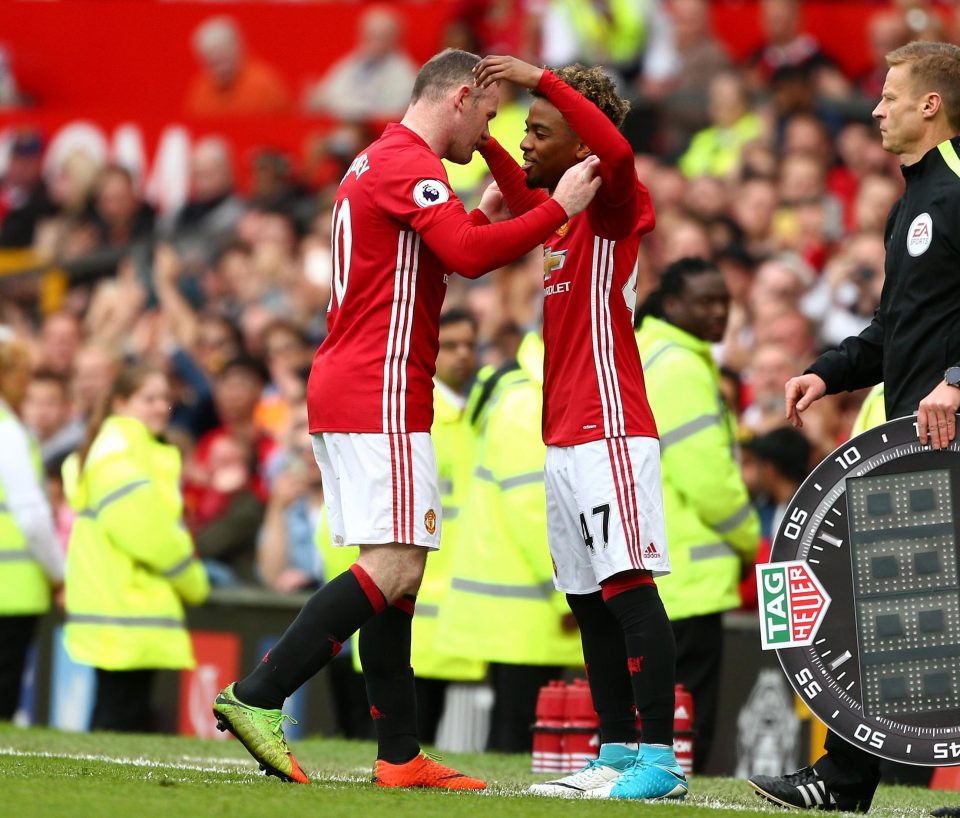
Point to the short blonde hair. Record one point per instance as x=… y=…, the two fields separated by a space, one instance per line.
x=934 y=67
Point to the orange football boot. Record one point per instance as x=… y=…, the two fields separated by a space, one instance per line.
x=423 y=771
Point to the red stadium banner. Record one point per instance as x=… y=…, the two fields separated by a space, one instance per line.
x=136 y=58
x=218 y=664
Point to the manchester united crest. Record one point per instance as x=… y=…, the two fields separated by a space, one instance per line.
x=562 y=229
x=430 y=521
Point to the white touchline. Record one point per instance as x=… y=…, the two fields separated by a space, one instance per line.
x=203 y=765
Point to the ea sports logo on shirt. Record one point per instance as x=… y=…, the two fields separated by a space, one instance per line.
x=920 y=235
x=429 y=192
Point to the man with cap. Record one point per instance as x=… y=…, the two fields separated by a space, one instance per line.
x=23 y=195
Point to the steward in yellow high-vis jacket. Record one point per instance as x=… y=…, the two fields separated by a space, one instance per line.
x=872 y=412
x=502 y=606
x=712 y=528
x=130 y=564
x=31 y=563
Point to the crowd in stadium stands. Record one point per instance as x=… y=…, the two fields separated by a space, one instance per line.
x=771 y=168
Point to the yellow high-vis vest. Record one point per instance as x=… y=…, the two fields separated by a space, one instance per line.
x=872 y=411
x=26 y=589
x=130 y=564
x=454 y=447
x=712 y=527
x=501 y=605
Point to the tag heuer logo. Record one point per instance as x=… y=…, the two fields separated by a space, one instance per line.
x=792 y=604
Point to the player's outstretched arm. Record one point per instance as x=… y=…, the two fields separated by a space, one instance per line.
x=472 y=250
x=511 y=180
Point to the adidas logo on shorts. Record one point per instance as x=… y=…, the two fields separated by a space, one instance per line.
x=651 y=551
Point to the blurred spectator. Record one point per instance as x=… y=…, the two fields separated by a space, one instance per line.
x=874 y=199
x=213 y=208
x=846 y=296
x=715 y=151
x=96 y=366
x=633 y=40
x=231 y=83
x=10 y=96
x=701 y=58
x=71 y=182
x=46 y=412
x=786 y=46
x=31 y=563
x=119 y=215
x=130 y=562
x=374 y=80
x=225 y=521
x=237 y=388
x=60 y=337
x=288 y=354
x=754 y=206
x=287 y=558
x=24 y=199
x=330 y=155
x=771 y=366
x=887 y=30
x=274 y=185
x=495 y=27
x=779 y=462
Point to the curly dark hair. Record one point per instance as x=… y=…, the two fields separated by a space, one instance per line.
x=595 y=85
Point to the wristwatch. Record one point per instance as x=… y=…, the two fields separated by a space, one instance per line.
x=952 y=376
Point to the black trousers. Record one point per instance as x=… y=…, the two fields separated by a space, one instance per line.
x=16 y=634
x=855 y=773
x=515 y=689
x=699 y=655
x=123 y=702
x=431 y=696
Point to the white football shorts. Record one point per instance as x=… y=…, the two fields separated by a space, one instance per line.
x=604 y=511
x=380 y=488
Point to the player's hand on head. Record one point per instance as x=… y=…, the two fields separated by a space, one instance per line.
x=937 y=416
x=493 y=205
x=578 y=185
x=800 y=392
x=495 y=68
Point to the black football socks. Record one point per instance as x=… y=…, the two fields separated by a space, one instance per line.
x=651 y=659
x=329 y=617
x=605 y=660
x=385 y=656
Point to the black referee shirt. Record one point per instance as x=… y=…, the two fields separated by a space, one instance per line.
x=915 y=333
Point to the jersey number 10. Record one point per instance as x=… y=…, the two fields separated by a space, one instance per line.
x=342 y=230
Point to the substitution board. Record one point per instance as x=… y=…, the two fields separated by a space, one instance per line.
x=861 y=599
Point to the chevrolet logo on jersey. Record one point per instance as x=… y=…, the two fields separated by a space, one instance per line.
x=552 y=261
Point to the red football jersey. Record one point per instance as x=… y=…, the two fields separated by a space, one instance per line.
x=593 y=381
x=398 y=230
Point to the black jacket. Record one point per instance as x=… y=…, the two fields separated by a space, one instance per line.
x=915 y=333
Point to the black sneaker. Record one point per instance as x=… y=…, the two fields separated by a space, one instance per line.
x=803 y=789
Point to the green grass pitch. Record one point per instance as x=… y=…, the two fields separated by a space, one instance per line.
x=48 y=774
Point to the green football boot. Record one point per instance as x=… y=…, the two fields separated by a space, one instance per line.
x=261 y=732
